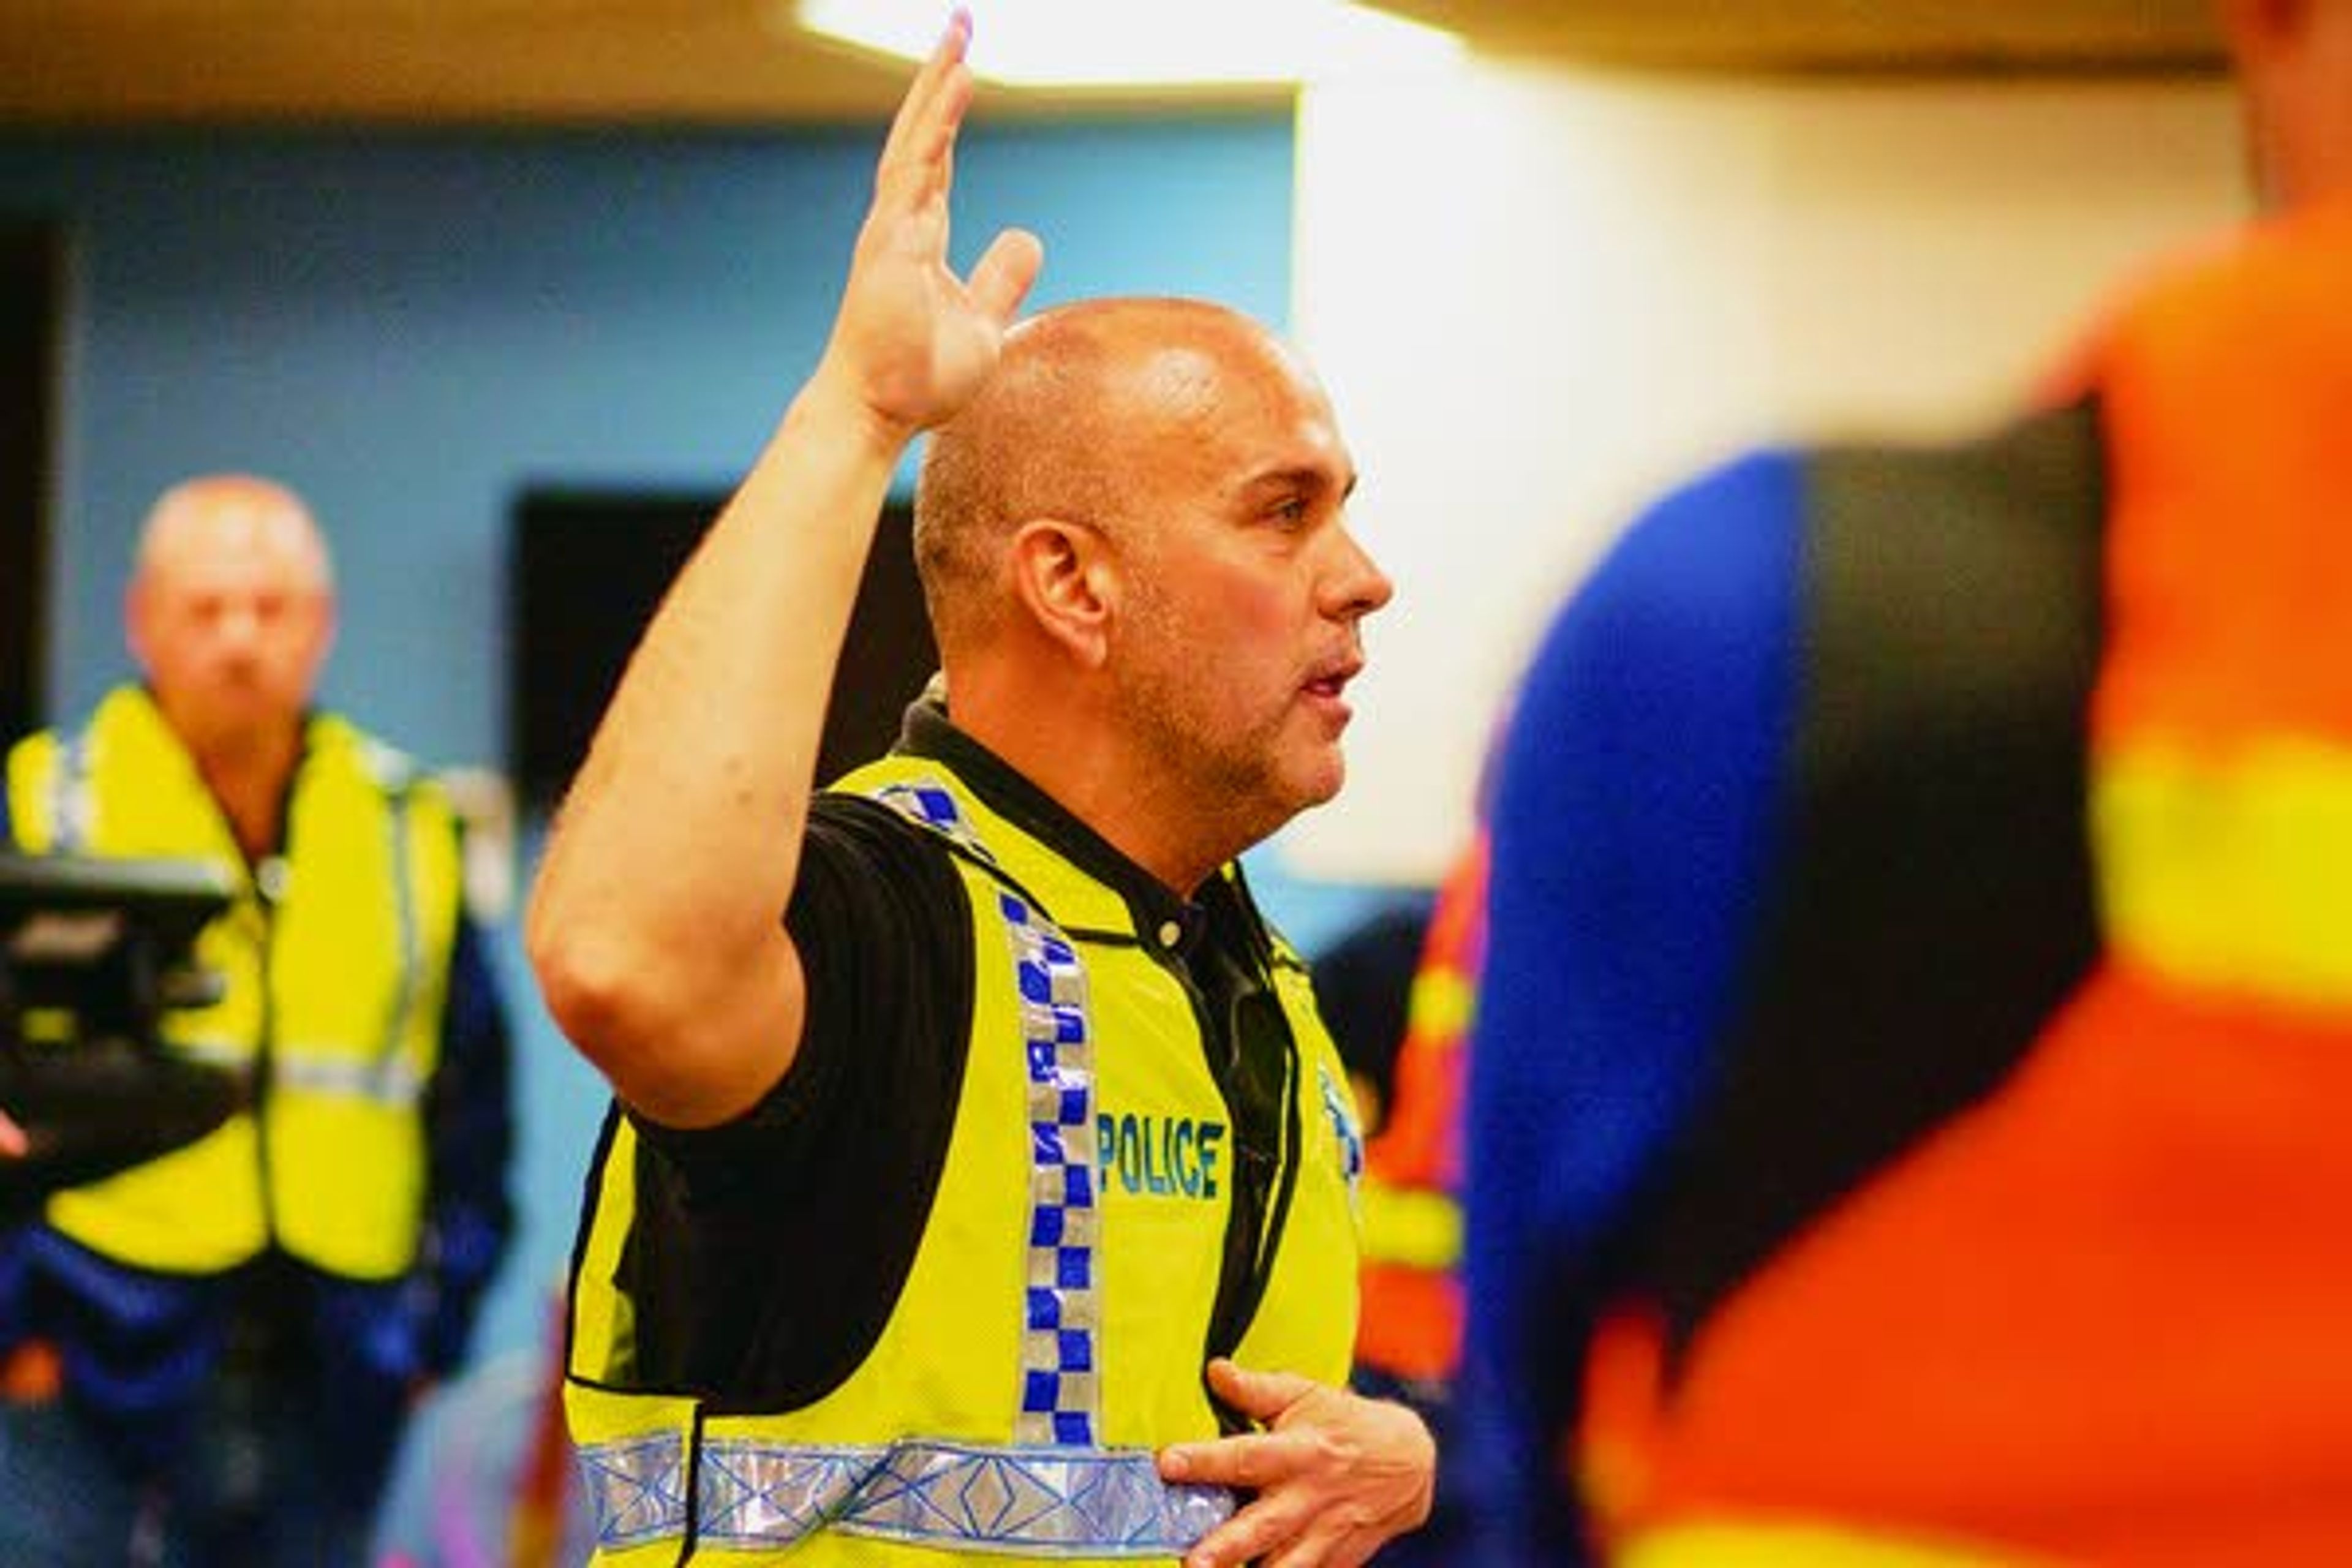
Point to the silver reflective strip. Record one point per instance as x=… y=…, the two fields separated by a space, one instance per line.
x=72 y=798
x=403 y=917
x=392 y=1082
x=1014 y=1502
x=214 y=1053
x=637 y=1489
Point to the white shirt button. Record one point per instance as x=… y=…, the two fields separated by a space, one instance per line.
x=1170 y=934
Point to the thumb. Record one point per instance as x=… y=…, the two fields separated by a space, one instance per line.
x=1260 y=1395
x=1001 y=279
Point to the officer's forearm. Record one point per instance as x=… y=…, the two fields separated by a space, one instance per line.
x=654 y=924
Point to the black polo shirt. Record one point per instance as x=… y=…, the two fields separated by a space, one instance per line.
x=768 y=1253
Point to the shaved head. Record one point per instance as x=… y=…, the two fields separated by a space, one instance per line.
x=231 y=611
x=238 y=515
x=1086 y=420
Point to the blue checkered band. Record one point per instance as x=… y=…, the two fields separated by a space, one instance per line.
x=1061 y=1389
x=930 y=803
x=1018 y=1501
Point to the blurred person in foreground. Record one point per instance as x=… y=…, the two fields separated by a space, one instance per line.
x=1911 y=1070
x=1409 y=1337
x=988 y=1034
x=212 y=1356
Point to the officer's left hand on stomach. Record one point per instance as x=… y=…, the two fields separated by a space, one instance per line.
x=1334 y=1474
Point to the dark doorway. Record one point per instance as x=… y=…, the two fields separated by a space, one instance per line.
x=586 y=569
x=29 y=300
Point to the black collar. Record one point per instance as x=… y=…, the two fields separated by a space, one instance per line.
x=1162 y=917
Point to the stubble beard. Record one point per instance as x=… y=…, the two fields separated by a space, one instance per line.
x=1233 y=784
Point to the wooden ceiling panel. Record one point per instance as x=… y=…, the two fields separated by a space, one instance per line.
x=428 y=60
x=108 y=62
x=1840 y=35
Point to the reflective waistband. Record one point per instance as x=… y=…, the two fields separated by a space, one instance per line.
x=1010 y=1501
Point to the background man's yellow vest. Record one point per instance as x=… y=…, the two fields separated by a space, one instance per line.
x=336 y=963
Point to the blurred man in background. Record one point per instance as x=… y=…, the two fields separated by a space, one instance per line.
x=1916 y=1031
x=212 y=1354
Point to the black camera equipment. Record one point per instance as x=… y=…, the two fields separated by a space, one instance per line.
x=93 y=952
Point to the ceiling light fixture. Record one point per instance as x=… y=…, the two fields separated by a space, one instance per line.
x=1125 y=43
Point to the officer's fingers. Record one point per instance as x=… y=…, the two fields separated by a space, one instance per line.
x=1261 y=1395
x=1253 y=1462
x=915 y=130
x=1269 y=1525
x=1001 y=279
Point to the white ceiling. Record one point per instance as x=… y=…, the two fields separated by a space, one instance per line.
x=126 y=62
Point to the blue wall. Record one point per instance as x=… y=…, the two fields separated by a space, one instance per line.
x=411 y=330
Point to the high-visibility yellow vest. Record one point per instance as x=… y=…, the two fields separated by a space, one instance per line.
x=1051 y=1332
x=336 y=971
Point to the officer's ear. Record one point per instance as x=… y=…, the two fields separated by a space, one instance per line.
x=1066 y=576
